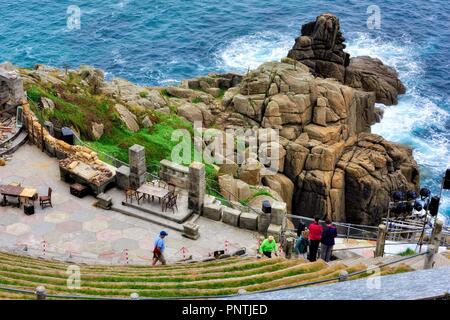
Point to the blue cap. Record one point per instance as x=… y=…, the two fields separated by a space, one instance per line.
x=163 y=233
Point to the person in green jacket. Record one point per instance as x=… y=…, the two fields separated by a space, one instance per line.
x=268 y=246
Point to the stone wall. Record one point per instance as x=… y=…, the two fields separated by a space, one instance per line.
x=175 y=174
x=39 y=135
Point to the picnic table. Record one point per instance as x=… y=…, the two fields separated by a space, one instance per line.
x=151 y=191
x=18 y=192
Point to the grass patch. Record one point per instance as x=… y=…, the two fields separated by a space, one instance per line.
x=260 y=192
x=407 y=252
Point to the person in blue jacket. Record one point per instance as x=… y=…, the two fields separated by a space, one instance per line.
x=327 y=240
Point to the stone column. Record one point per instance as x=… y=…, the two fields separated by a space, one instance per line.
x=50 y=128
x=197 y=185
x=436 y=233
x=138 y=167
x=381 y=239
x=429 y=257
x=433 y=247
x=289 y=247
x=41 y=293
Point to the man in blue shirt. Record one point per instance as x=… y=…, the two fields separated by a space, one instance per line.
x=160 y=246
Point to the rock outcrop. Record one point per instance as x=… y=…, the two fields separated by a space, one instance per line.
x=11 y=88
x=321 y=47
x=337 y=167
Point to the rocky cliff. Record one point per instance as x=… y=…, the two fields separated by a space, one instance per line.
x=321 y=47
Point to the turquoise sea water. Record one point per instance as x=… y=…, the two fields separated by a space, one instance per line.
x=162 y=42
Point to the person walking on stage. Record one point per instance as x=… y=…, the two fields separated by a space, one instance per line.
x=160 y=246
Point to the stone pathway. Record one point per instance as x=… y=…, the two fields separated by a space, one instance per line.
x=421 y=284
x=74 y=226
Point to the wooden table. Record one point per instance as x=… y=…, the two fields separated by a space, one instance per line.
x=151 y=191
x=17 y=192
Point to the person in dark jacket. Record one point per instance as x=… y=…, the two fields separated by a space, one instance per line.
x=302 y=244
x=327 y=240
x=300 y=229
x=315 y=234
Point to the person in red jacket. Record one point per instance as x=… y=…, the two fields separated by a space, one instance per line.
x=315 y=234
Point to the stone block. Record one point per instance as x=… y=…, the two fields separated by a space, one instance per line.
x=275 y=231
x=123 y=177
x=197 y=185
x=264 y=222
x=104 y=201
x=191 y=230
x=136 y=157
x=212 y=211
x=248 y=220
x=230 y=216
x=278 y=212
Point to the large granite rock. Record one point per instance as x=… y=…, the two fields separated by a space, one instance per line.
x=321 y=47
x=11 y=86
x=337 y=168
x=127 y=117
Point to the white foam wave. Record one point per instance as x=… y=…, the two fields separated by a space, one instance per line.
x=250 y=51
x=416 y=120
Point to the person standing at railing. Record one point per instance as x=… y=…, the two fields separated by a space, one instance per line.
x=301 y=228
x=160 y=246
x=302 y=244
x=315 y=234
x=327 y=240
x=268 y=246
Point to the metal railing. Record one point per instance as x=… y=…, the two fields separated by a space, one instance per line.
x=345 y=230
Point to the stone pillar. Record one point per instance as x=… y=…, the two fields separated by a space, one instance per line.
x=134 y=296
x=429 y=257
x=289 y=247
x=41 y=293
x=433 y=247
x=436 y=233
x=263 y=222
x=138 y=167
x=197 y=185
x=343 y=275
x=381 y=239
x=50 y=128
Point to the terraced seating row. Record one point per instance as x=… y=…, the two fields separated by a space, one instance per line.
x=213 y=278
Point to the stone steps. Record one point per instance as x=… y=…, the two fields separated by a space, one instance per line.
x=15 y=143
x=166 y=215
x=139 y=214
x=218 y=277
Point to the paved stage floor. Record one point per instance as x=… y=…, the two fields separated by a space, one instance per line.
x=74 y=226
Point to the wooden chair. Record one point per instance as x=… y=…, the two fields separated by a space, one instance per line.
x=171 y=187
x=170 y=202
x=130 y=194
x=46 y=201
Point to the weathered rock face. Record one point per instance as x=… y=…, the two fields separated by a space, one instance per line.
x=127 y=117
x=370 y=74
x=11 y=86
x=321 y=47
x=337 y=168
